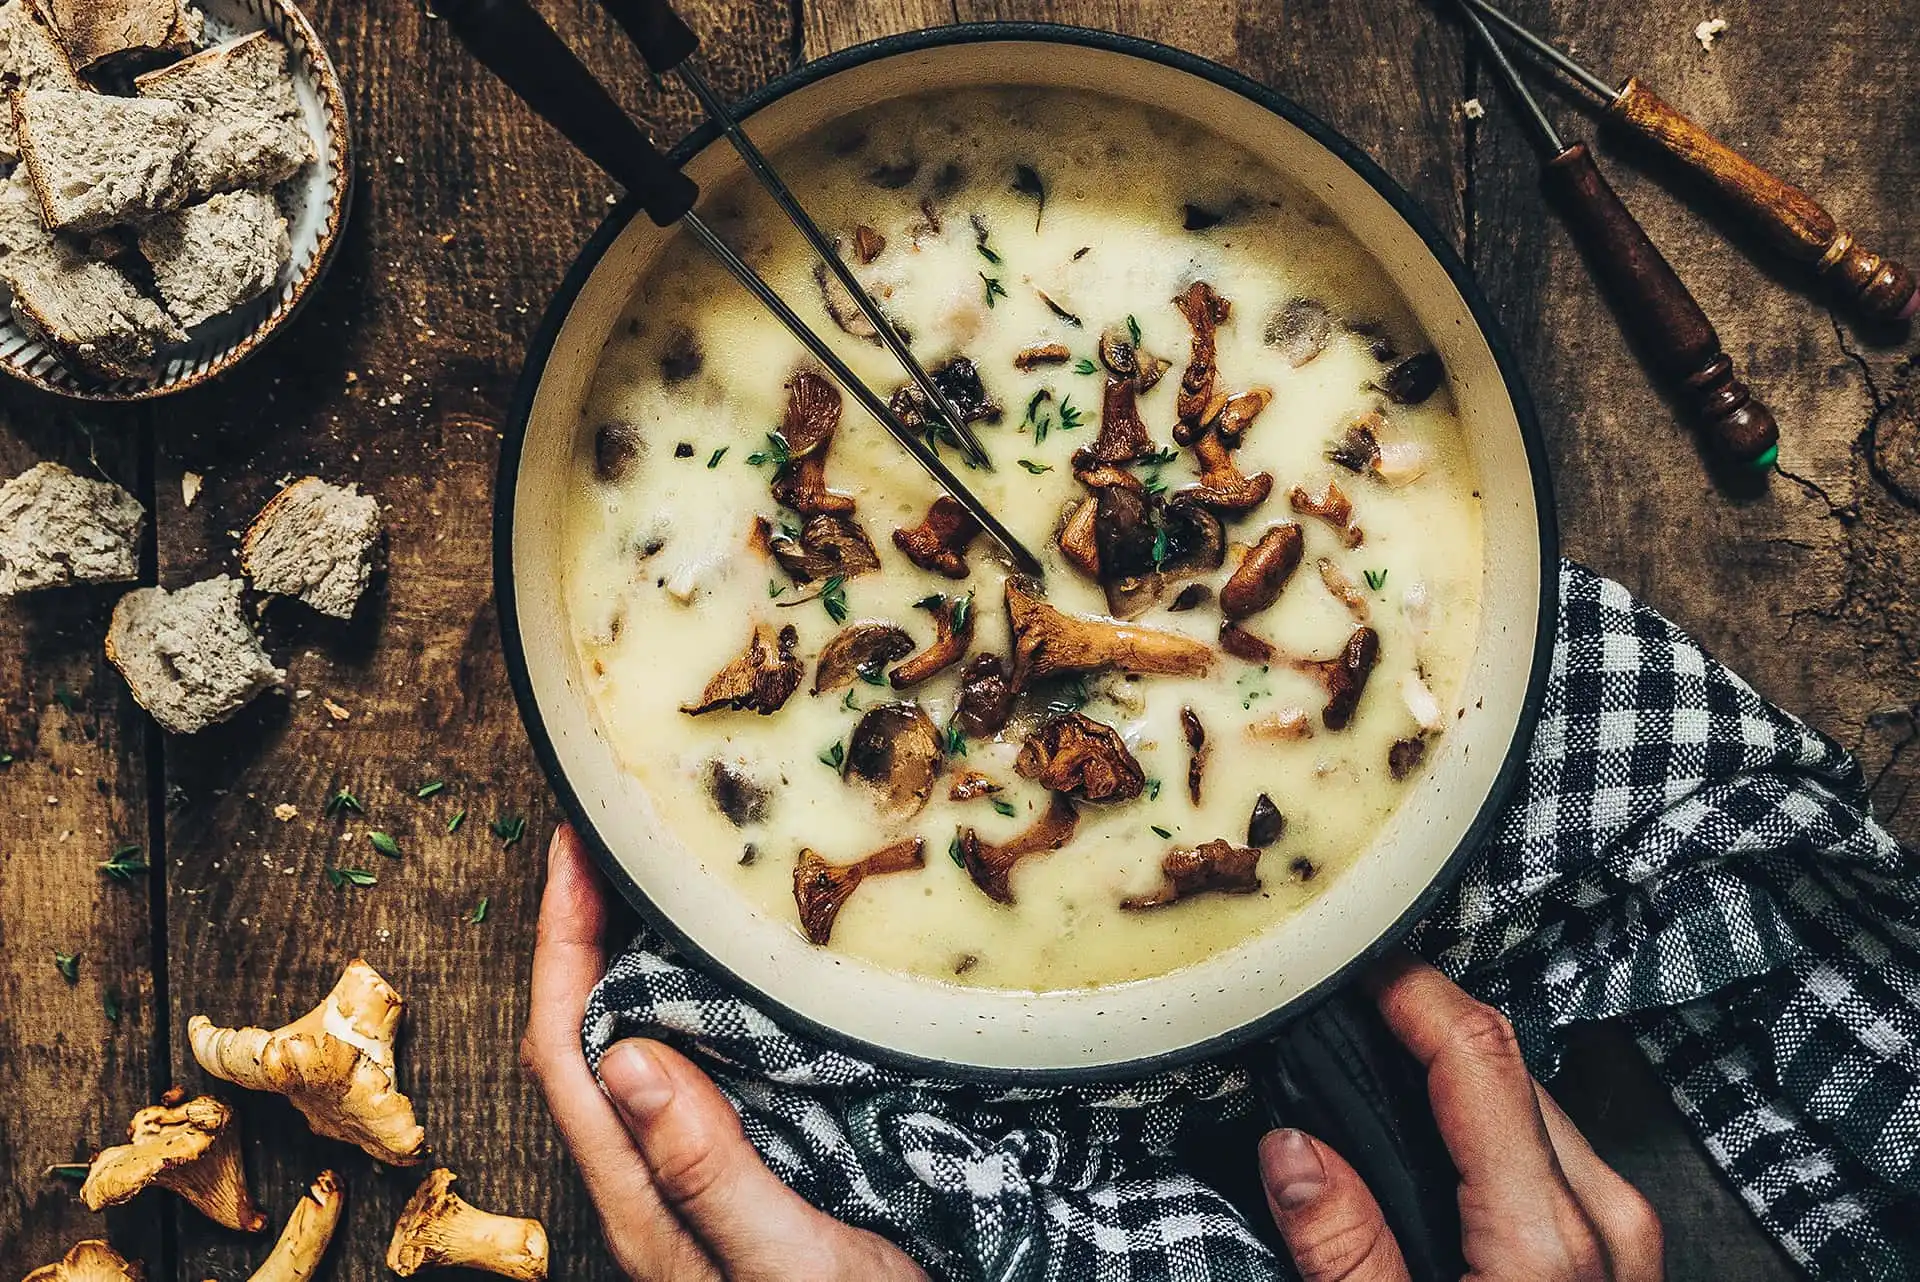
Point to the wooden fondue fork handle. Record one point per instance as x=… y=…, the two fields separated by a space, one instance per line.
x=1791 y=220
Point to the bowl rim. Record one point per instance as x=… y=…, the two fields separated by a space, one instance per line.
x=1513 y=766
x=339 y=145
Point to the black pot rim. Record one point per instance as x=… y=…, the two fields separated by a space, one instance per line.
x=1512 y=767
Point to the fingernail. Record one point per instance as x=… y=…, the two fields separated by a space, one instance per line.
x=635 y=1080
x=1290 y=1166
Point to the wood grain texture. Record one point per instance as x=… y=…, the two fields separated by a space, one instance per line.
x=74 y=792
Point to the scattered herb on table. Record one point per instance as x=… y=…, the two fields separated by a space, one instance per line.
x=1085 y=366
x=1159 y=830
x=1376 y=579
x=124 y=865
x=1035 y=468
x=510 y=828
x=426 y=790
x=385 y=844
x=6 y=758
x=339 y=877
x=776 y=453
x=1006 y=808
x=835 y=756
x=67 y=1171
x=713 y=460
x=834 y=597
x=994 y=288
x=1026 y=181
x=479 y=913
x=344 y=800
x=453 y=824
x=68 y=964
x=955 y=742
x=110 y=1005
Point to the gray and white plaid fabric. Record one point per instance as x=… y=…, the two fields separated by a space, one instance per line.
x=1681 y=855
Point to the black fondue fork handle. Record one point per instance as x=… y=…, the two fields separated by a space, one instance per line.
x=663 y=40
x=517 y=45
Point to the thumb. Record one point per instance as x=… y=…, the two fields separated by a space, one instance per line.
x=1331 y=1224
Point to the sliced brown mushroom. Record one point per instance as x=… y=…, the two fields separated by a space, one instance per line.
x=1237 y=415
x=1358 y=450
x=1405 y=756
x=971 y=786
x=736 y=795
x=939 y=543
x=959 y=379
x=1084 y=758
x=861 y=651
x=1300 y=330
x=761 y=680
x=991 y=866
x=867 y=243
x=1076 y=538
x=1345 y=590
x=1331 y=505
x=841 y=309
x=953 y=633
x=986 y=698
x=1125 y=539
x=1414 y=379
x=827 y=546
x=1196 y=736
x=1123 y=437
x=1205 y=312
x=680 y=356
x=1222 y=486
x=1266 y=824
x=1045 y=354
x=821 y=889
x=895 y=752
x=1345 y=675
x=1152 y=370
x=1218 y=866
x=1242 y=644
x=1256 y=582
x=1050 y=643
x=1283 y=726
x=812 y=417
x=1196 y=540
x=1191 y=597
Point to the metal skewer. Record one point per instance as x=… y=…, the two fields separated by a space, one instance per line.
x=518 y=46
x=1879 y=287
x=1653 y=305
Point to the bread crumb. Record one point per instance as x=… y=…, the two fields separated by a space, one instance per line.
x=189 y=487
x=285 y=812
x=1708 y=32
x=334 y=710
x=1473 y=109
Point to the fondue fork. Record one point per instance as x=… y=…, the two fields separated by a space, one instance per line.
x=667 y=44
x=1787 y=217
x=1652 y=302
x=514 y=42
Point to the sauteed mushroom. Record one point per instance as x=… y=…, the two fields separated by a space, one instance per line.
x=841 y=309
x=1191 y=597
x=1405 y=756
x=1332 y=506
x=1237 y=415
x=991 y=866
x=1047 y=643
x=986 y=699
x=1077 y=542
x=761 y=680
x=1283 y=726
x=1196 y=736
x=1345 y=676
x=972 y=785
x=867 y=243
x=738 y=797
x=1076 y=755
x=1300 y=330
x=812 y=417
x=1414 y=379
x=1344 y=590
x=1256 y=582
x=1044 y=354
x=1359 y=449
x=1205 y=312
x=1218 y=866
x=895 y=752
x=1221 y=485
x=1266 y=824
x=821 y=889
x=1242 y=644
x=1123 y=437
x=953 y=633
x=827 y=546
x=863 y=650
x=939 y=543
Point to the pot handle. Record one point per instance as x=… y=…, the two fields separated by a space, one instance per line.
x=515 y=43
x=1339 y=1074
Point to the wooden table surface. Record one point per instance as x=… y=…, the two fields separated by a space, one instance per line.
x=398 y=377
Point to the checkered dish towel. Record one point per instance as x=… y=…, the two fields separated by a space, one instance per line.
x=1681 y=855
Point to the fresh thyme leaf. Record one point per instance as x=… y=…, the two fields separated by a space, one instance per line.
x=1153 y=484
x=777 y=452
x=384 y=844
x=1161 y=457
x=1026 y=181
x=1160 y=547
x=871 y=674
x=510 y=828
x=67 y=1171
x=1133 y=329
x=994 y=288
x=1069 y=415
x=962 y=611
x=955 y=743
x=1040 y=426
x=847 y=702
x=1060 y=311
x=344 y=800
x=68 y=964
x=479 y=913
x=1035 y=468
x=1153 y=790
x=124 y=865
x=980 y=232
x=453 y=824
x=110 y=1005
x=1085 y=366
x=833 y=595
x=66 y=698
x=1038 y=399
x=957 y=852
x=713 y=460
x=931 y=601
x=1162 y=831
x=835 y=756
x=1006 y=808
x=1376 y=579
x=341 y=877
x=426 y=790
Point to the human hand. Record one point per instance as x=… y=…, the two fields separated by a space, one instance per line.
x=682 y=1196
x=1536 y=1203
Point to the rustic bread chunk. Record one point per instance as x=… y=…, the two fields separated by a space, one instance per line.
x=23 y=228
x=247 y=128
x=190 y=656
x=31 y=57
x=316 y=542
x=210 y=258
x=96 y=32
x=98 y=160
x=87 y=311
x=58 y=528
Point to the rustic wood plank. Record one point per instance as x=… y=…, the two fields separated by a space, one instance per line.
x=468 y=212
x=74 y=791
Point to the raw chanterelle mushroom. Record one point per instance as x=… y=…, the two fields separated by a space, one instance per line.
x=821 y=889
x=303 y=1243
x=190 y=1146
x=1050 y=643
x=895 y=751
x=89 y=1261
x=334 y=1064
x=439 y=1230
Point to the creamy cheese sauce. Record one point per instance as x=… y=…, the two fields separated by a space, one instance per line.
x=664 y=586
